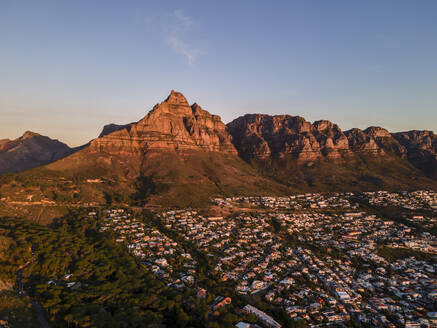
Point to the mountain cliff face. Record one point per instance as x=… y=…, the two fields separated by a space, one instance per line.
x=289 y=146
x=109 y=128
x=264 y=136
x=386 y=141
x=261 y=136
x=30 y=150
x=172 y=125
x=421 y=150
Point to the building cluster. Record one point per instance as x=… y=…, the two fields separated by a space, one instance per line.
x=410 y=200
x=164 y=257
x=296 y=202
x=320 y=267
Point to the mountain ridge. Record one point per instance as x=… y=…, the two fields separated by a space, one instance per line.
x=181 y=155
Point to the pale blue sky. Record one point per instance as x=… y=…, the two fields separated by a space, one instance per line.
x=69 y=67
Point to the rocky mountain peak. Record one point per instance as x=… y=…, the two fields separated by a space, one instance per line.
x=176 y=98
x=29 y=134
x=377 y=132
x=418 y=139
x=262 y=136
x=324 y=125
x=172 y=125
x=175 y=104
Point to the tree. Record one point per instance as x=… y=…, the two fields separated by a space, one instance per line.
x=276 y=224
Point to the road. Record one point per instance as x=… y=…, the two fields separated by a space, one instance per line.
x=38 y=308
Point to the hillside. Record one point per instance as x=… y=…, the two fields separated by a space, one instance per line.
x=30 y=150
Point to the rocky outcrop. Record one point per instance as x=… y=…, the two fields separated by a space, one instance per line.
x=172 y=125
x=417 y=140
x=262 y=136
x=386 y=140
x=30 y=150
x=109 y=128
x=361 y=142
x=421 y=149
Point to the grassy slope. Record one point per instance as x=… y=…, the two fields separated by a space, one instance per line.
x=357 y=174
x=190 y=179
x=37 y=213
x=196 y=177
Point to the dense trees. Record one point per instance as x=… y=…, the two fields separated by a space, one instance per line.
x=145 y=187
x=107 y=287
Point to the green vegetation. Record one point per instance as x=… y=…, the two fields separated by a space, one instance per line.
x=168 y=180
x=110 y=288
x=17 y=311
x=37 y=213
x=358 y=173
x=146 y=186
x=393 y=254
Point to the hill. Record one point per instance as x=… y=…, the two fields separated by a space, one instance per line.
x=30 y=150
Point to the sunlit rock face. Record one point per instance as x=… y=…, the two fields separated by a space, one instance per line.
x=172 y=125
x=263 y=136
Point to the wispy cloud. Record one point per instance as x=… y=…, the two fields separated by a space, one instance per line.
x=184 y=49
x=177 y=35
x=184 y=20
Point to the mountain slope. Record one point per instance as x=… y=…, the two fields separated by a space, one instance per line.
x=319 y=156
x=177 y=155
x=30 y=150
x=420 y=149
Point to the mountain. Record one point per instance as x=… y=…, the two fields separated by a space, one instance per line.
x=420 y=149
x=320 y=156
x=30 y=150
x=178 y=154
x=181 y=155
x=173 y=125
x=264 y=136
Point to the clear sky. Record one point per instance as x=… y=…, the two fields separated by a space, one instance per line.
x=69 y=67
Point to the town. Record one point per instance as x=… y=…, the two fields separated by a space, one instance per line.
x=321 y=259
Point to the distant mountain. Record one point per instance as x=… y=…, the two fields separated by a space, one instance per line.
x=181 y=155
x=30 y=150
